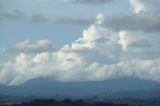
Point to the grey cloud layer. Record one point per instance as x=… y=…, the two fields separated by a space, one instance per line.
x=145 y=21
x=71 y=21
x=140 y=43
x=19 y=15
x=39 y=19
x=15 y=15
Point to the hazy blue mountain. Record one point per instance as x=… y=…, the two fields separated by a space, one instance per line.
x=122 y=87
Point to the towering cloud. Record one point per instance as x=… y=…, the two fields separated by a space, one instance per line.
x=99 y=54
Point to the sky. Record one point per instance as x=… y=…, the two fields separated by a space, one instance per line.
x=79 y=40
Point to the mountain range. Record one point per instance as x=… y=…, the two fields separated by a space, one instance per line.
x=111 y=88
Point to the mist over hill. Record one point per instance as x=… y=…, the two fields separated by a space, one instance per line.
x=122 y=87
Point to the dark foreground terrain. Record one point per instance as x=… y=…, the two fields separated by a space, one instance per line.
x=66 y=102
x=114 y=92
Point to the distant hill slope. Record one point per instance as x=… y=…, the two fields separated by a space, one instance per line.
x=119 y=87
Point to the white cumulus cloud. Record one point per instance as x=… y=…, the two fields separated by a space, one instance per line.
x=28 y=46
x=137 y=6
x=99 y=54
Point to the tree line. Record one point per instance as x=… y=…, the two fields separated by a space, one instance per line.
x=66 y=102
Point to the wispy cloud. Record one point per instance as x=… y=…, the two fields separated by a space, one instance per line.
x=39 y=18
x=71 y=21
x=14 y=15
x=28 y=46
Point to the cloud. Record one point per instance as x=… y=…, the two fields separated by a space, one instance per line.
x=17 y=15
x=71 y=21
x=144 y=21
x=149 y=5
x=99 y=54
x=39 y=19
x=28 y=46
x=14 y=15
x=91 y=1
x=137 y=6
x=140 y=43
x=2 y=50
x=6 y=74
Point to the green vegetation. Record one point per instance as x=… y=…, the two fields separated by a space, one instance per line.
x=66 y=102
